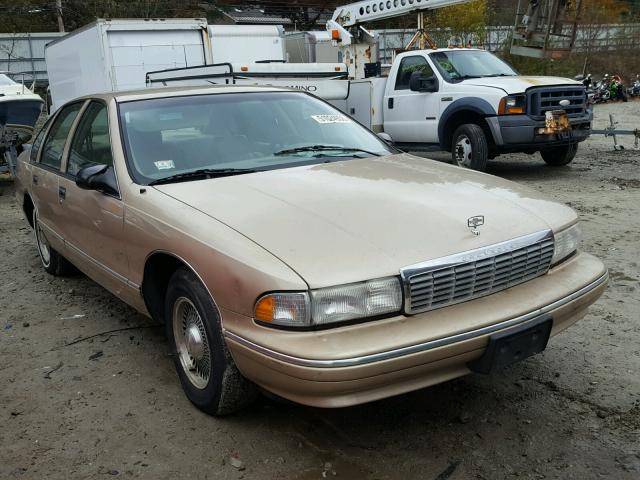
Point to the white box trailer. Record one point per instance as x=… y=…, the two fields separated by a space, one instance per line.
x=246 y=43
x=110 y=55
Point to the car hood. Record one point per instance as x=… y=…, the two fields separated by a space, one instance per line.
x=519 y=83
x=354 y=220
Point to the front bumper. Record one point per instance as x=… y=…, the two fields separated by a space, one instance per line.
x=365 y=362
x=520 y=132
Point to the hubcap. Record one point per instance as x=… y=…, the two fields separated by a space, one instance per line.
x=192 y=346
x=463 y=151
x=43 y=244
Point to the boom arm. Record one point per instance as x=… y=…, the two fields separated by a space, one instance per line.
x=370 y=10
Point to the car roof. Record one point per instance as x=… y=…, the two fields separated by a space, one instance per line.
x=165 y=92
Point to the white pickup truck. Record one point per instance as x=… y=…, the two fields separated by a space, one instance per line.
x=471 y=103
x=465 y=101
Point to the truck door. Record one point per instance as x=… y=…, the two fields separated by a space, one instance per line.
x=411 y=116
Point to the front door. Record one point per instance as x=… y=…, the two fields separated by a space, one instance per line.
x=93 y=221
x=411 y=117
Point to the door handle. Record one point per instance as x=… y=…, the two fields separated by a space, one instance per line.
x=390 y=103
x=62 y=193
x=34 y=178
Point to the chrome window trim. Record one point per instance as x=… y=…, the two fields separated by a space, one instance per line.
x=421 y=347
x=466 y=257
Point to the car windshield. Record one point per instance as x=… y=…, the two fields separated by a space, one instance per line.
x=182 y=137
x=459 y=65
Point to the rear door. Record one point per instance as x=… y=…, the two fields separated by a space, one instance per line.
x=93 y=221
x=45 y=174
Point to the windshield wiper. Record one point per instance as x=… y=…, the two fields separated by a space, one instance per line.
x=323 y=148
x=203 y=173
x=500 y=75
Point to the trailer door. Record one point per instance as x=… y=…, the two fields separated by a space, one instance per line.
x=134 y=53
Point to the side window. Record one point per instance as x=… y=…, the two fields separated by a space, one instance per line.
x=53 y=146
x=91 y=144
x=408 y=65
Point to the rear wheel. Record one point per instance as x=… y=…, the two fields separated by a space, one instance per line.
x=469 y=147
x=51 y=260
x=209 y=377
x=559 y=156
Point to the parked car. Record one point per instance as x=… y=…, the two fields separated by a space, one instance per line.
x=287 y=247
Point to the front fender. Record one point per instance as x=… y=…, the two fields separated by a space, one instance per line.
x=468 y=104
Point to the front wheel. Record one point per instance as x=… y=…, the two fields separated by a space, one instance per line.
x=469 y=147
x=209 y=377
x=559 y=156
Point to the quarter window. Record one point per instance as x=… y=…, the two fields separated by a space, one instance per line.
x=35 y=146
x=91 y=144
x=53 y=147
x=408 y=65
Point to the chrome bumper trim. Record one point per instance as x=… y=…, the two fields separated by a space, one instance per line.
x=421 y=347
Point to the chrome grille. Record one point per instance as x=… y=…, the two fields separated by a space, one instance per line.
x=469 y=275
x=542 y=100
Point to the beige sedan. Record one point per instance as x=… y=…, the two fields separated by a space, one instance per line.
x=287 y=248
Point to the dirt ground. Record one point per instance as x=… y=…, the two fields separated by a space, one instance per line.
x=111 y=405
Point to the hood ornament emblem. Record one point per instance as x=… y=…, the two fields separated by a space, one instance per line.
x=564 y=103
x=474 y=222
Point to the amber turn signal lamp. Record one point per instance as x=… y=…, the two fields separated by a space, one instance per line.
x=264 y=309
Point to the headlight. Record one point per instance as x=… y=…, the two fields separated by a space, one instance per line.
x=512 y=105
x=330 y=305
x=566 y=242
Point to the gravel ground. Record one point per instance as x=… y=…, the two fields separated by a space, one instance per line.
x=111 y=405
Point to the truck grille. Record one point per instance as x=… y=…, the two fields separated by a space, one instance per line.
x=544 y=99
x=478 y=273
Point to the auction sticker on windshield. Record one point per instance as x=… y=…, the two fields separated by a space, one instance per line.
x=164 y=164
x=331 y=118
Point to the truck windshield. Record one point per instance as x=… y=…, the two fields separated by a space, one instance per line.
x=459 y=65
x=179 y=138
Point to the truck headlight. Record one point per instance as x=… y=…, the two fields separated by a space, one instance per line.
x=566 y=242
x=512 y=105
x=324 y=306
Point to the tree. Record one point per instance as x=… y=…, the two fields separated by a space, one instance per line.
x=467 y=21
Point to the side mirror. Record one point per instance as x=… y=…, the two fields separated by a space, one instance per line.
x=386 y=138
x=99 y=177
x=419 y=82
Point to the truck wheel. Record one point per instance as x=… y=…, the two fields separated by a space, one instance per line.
x=52 y=262
x=469 y=147
x=559 y=156
x=209 y=377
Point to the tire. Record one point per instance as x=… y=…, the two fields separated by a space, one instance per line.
x=469 y=148
x=52 y=262
x=559 y=156
x=209 y=377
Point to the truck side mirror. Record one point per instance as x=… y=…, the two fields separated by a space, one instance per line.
x=419 y=82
